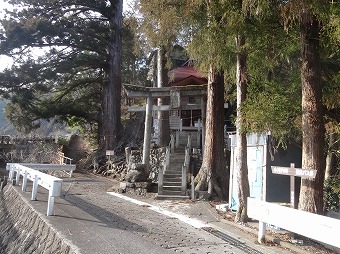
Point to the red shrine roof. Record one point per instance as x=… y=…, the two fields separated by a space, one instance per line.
x=186 y=75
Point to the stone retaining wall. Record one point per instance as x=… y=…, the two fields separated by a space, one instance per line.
x=24 y=231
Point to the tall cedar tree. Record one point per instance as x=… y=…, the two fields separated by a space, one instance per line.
x=212 y=176
x=313 y=130
x=82 y=42
x=163 y=116
x=241 y=138
x=319 y=30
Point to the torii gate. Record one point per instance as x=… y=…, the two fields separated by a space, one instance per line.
x=175 y=93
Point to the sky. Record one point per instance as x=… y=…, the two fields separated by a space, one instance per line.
x=5 y=61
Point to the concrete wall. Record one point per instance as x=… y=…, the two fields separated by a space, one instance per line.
x=23 y=230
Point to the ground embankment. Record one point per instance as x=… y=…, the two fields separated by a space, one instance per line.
x=23 y=230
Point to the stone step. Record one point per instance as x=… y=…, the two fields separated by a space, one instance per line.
x=173 y=192
x=172 y=183
x=175 y=166
x=183 y=137
x=172 y=189
x=171 y=197
x=173 y=172
x=177 y=160
x=172 y=178
x=179 y=152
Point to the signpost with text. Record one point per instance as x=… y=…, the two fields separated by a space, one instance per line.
x=293 y=172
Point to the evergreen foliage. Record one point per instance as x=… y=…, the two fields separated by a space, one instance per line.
x=68 y=79
x=62 y=61
x=332 y=193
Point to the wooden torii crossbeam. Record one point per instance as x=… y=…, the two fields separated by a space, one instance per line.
x=150 y=93
x=158 y=92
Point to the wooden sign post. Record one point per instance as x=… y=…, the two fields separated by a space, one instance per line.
x=293 y=172
x=110 y=153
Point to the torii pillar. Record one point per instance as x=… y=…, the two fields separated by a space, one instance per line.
x=147 y=133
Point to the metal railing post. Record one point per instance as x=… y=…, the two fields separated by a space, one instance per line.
x=35 y=188
x=184 y=179
x=185 y=170
x=172 y=143
x=199 y=133
x=160 y=180
x=192 y=188
x=167 y=158
x=189 y=141
x=24 y=181
x=17 y=177
x=163 y=169
x=50 y=205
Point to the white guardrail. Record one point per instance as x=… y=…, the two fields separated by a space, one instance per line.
x=51 y=183
x=51 y=167
x=320 y=228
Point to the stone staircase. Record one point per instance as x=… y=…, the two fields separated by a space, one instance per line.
x=172 y=178
x=171 y=185
x=182 y=139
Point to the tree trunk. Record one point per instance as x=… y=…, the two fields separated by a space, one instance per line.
x=163 y=116
x=313 y=132
x=241 y=139
x=213 y=174
x=111 y=102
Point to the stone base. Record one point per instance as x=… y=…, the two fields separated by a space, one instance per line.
x=137 y=188
x=202 y=195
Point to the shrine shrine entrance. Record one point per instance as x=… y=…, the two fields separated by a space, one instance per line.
x=187 y=111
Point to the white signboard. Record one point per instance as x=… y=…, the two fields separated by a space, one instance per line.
x=175 y=99
x=110 y=152
x=291 y=171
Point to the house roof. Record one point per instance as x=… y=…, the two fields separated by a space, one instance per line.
x=185 y=75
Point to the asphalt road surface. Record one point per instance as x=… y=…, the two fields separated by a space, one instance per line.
x=96 y=221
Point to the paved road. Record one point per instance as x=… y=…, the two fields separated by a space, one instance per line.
x=97 y=222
